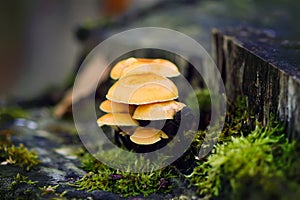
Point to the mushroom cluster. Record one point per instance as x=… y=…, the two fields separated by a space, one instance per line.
x=141 y=101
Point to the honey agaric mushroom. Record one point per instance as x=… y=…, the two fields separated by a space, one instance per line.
x=113 y=107
x=144 y=65
x=117 y=119
x=147 y=136
x=142 y=94
x=158 y=111
x=141 y=89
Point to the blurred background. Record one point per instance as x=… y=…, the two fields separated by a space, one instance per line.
x=39 y=48
x=42 y=42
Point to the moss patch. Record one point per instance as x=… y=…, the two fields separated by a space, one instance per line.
x=14 y=112
x=22 y=179
x=257 y=164
x=16 y=155
x=102 y=177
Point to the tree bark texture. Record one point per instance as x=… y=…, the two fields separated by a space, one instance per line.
x=251 y=65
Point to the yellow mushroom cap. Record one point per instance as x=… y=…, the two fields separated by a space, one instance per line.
x=117 y=119
x=158 y=111
x=114 y=107
x=157 y=66
x=118 y=68
x=147 y=136
x=143 y=65
x=142 y=89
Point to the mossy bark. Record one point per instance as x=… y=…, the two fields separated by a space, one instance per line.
x=251 y=65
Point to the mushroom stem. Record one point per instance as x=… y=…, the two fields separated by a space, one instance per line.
x=121 y=138
x=126 y=142
x=117 y=136
x=115 y=127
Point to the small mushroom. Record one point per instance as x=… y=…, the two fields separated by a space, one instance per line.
x=158 y=111
x=117 y=119
x=113 y=107
x=142 y=89
x=158 y=66
x=143 y=96
x=147 y=136
x=118 y=68
x=143 y=65
x=123 y=125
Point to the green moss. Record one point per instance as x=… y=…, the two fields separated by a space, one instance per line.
x=247 y=164
x=28 y=189
x=16 y=155
x=249 y=160
x=237 y=123
x=14 y=112
x=102 y=177
x=22 y=179
x=9 y=153
x=20 y=187
x=48 y=189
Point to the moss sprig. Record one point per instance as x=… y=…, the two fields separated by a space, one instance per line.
x=16 y=155
x=22 y=179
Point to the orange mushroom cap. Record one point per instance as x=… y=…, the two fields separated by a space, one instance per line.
x=118 y=68
x=158 y=111
x=147 y=136
x=157 y=66
x=142 y=89
x=114 y=107
x=144 y=65
x=117 y=119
